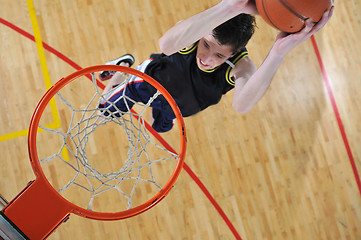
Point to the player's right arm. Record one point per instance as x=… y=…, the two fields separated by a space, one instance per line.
x=190 y=30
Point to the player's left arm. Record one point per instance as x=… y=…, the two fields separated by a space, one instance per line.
x=251 y=83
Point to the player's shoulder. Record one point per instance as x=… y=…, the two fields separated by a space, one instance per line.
x=246 y=63
x=244 y=68
x=188 y=49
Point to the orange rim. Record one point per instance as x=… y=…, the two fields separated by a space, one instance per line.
x=32 y=146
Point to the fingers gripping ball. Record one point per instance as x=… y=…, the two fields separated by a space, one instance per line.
x=290 y=15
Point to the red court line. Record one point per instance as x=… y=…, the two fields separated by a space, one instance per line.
x=337 y=114
x=46 y=46
x=212 y=200
x=198 y=182
x=160 y=139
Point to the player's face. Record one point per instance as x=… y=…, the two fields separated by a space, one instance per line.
x=211 y=53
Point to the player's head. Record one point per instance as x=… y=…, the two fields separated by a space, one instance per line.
x=236 y=32
x=224 y=41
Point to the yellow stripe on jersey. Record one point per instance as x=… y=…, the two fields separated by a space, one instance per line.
x=208 y=71
x=229 y=70
x=188 y=50
x=191 y=49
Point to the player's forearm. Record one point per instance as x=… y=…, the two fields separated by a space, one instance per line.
x=247 y=96
x=190 y=30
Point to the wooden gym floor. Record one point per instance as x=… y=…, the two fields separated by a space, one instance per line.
x=289 y=169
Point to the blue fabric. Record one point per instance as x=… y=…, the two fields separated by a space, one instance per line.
x=140 y=91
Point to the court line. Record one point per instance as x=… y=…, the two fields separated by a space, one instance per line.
x=13 y=135
x=46 y=46
x=22 y=133
x=43 y=63
x=44 y=68
x=337 y=114
x=198 y=182
x=186 y=167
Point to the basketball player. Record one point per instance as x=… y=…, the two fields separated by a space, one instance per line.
x=204 y=57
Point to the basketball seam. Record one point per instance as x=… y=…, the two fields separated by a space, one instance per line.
x=288 y=8
x=293 y=11
x=266 y=14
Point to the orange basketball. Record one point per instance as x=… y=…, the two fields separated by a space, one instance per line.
x=290 y=15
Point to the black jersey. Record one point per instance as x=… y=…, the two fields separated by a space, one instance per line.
x=193 y=88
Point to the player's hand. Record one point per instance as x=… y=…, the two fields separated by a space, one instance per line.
x=244 y=6
x=285 y=42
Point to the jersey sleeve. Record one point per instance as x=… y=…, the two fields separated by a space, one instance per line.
x=188 y=49
x=233 y=63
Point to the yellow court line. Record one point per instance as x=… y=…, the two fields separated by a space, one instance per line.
x=47 y=81
x=45 y=71
x=13 y=135
x=44 y=68
x=25 y=132
x=43 y=64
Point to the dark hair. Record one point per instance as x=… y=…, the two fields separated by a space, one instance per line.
x=236 y=32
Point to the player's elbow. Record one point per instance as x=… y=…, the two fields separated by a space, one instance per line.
x=241 y=109
x=165 y=46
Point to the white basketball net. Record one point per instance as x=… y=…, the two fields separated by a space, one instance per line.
x=137 y=167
